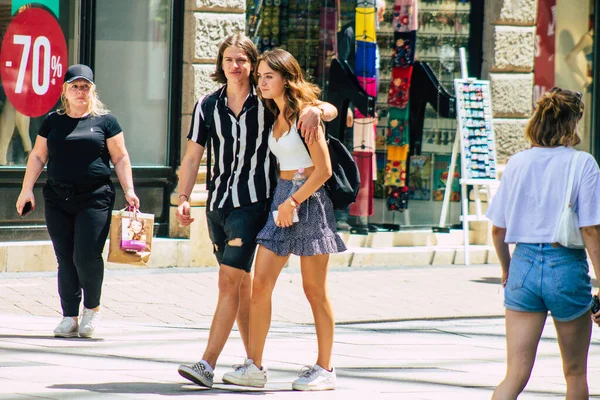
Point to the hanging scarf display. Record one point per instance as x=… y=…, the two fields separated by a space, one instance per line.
x=398 y=133
x=365 y=63
x=404 y=49
x=365 y=24
x=363 y=206
x=400 y=87
x=406 y=16
x=405 y=24
x=365 y=70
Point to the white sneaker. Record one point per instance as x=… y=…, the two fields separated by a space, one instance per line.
x=66 y=328
x=89 y=320
x=247 y=374
x=197 y=373
x=315 y=378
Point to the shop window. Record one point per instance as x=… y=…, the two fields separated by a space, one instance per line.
x=18 y=124
x=565 y=53
x=310 y=30
x=132 y=60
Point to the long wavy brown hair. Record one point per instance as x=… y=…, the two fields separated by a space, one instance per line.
x=554 y=122
x=298 y=91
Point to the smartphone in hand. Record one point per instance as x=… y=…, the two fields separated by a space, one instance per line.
x=27 y=209
x=595 y=305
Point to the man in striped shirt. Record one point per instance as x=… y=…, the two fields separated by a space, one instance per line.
x=240 y=189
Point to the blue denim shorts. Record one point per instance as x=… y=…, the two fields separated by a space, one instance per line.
x=544 y=278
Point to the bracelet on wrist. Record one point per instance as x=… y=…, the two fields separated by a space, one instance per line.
x=322 y=112
x=294 y=200
x=183 y=195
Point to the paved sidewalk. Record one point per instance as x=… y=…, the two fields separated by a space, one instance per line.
x=416 y=333
x=188 y=296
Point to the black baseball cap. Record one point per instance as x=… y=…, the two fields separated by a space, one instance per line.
x=79 y=71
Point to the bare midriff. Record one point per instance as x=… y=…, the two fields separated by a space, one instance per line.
x=287 y=175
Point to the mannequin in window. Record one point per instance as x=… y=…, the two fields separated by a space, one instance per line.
x=585 y=45
x=9 y=117
x=9 y=120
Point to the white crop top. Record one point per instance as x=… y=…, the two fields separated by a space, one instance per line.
x=290 y=150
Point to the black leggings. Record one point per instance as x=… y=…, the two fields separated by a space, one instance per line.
x=78 y=226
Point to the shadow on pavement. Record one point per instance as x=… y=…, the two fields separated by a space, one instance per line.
x=50 y=337
x=165 y=389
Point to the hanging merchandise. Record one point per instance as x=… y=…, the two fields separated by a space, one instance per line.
x=398 y=129
x=365 y=24
x=404 y=23
x=363 y=206
x=365 y=70
x=406 y=17
x=365 y=64
x=369 y=84
x=397 y=198
x=399 y=87
x=404 y=49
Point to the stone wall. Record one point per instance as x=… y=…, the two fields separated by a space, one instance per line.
x=508 y=63
x=206 y=24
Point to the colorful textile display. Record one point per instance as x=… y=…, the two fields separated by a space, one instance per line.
x=400 y=87
x=365 y=24
x=363 y=206
x=404 y=49
x=398 y=133
x=406 y=16
x=404 y=23
x=365 y=65
x=397 y=198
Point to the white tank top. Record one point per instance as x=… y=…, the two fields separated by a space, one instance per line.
x=290 y=150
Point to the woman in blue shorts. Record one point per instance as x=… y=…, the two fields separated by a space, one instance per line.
x=542 y=275
x=302 y=222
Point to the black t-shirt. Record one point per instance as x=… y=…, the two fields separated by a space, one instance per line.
x=77 y=151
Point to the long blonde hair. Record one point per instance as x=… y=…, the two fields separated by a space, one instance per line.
x=95 y=106
x=554 y=122
x=298 y=91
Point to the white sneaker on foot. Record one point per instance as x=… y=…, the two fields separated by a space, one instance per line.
x=66 y=328
x=247 y=374
x=198 y=373
x=315 y=378
x=89 y=321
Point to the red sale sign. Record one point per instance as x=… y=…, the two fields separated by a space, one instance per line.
x=33 y=58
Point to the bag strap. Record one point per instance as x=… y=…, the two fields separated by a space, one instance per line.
x=572 y=168
x=209 y=103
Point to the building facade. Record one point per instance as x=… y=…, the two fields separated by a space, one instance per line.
x=153 y=59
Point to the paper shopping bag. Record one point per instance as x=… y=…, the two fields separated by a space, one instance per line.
x=130 y=240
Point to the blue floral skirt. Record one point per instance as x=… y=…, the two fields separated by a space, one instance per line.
x=314 y=234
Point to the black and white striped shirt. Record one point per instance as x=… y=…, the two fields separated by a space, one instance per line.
x=241 y=158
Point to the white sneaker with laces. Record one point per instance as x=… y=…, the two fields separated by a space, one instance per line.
x=315 y=378
x=197 y=373
x=66 y=328
x=89 y=321
x=247 y=374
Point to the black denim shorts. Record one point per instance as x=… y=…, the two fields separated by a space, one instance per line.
x=233 y=233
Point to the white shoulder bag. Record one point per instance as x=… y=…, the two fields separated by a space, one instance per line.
x=568 y=233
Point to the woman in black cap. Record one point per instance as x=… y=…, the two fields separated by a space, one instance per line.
x=77 y=141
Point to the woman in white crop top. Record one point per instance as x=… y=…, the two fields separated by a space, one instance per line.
x=541 y=275
x=302 y=223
